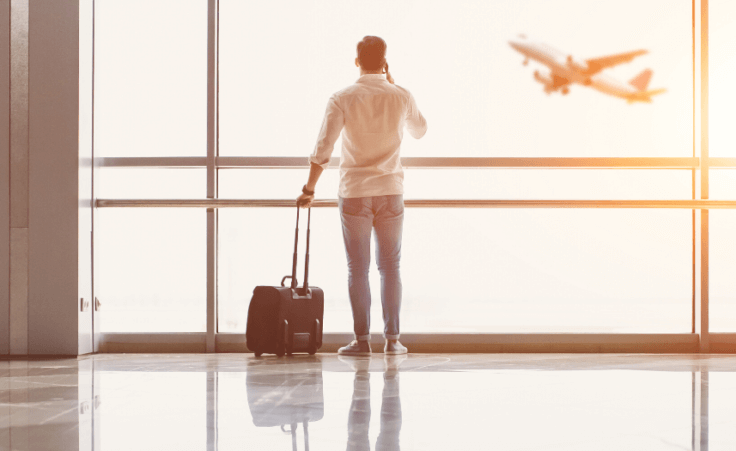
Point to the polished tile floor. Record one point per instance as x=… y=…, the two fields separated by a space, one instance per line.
x=416 y=402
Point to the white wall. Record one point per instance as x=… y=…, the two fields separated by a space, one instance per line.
x=4 y=176
x=54 y=183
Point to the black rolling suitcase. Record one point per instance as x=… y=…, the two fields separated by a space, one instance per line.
x=283 y=320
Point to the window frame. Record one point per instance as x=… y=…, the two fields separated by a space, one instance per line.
x=699 y=340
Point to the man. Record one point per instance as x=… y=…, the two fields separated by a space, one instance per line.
x=371 y=115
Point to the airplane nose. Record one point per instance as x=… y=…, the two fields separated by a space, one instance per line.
x=514 y=45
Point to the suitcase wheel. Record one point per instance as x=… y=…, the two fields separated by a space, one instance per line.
x=312 y=350
x=258 y=354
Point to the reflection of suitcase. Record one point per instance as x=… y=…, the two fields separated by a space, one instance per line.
x=283 y=320
x=286 y=399
x=277 y=399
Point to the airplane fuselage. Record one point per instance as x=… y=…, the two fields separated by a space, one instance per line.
x=570 y=69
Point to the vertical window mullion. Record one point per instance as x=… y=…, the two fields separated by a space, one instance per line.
x=212 y=49
x=704 y=181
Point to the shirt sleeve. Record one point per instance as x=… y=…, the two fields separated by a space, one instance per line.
x=331 y=127
x=415 y=122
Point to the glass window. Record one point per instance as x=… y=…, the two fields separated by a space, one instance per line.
x=475 y=184
x=153 y=270
x=722 y=64
x=722 y=184
x=722 y=270
x=722 y=257
x=484 y=270
x=278 y=67
x=150 y=78
x=151 y=183
x=526 y=270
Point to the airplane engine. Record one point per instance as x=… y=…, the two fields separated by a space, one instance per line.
x=577 y=65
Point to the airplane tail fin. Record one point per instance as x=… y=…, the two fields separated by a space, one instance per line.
x=645 y=96
x=641 y=81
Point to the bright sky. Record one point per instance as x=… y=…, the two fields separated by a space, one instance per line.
x=454 y=57
x=722 y=46
x=279 y=65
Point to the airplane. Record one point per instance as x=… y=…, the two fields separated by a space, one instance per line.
x=566 y=70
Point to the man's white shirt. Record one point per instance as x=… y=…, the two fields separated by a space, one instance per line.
x=371 y=114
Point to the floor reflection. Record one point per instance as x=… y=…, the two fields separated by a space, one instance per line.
x=326 y=402
x=287 y=399
x=359 y=417
x=46 y=405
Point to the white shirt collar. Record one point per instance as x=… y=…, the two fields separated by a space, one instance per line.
x=371 y=77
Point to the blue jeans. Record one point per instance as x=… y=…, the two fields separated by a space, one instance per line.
x=359 y=216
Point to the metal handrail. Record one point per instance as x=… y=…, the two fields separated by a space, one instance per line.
x=426 y=162
x=422 y=203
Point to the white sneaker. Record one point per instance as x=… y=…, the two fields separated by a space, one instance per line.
x=394 y=348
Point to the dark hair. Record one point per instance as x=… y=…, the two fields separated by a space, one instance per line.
x=372 y=55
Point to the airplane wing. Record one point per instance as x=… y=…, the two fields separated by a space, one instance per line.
x=596 y=65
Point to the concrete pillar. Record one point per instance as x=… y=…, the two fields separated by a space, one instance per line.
x=4 y=177
x=46 y=188
x=53 y=270
x=19 y=192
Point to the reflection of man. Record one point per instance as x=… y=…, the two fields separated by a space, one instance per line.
x=388 y=438
x=371 y=115
x=359 y=416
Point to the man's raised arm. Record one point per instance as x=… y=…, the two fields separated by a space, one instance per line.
x=415 y=122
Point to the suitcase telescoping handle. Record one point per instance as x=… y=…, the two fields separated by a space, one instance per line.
x=294 y=282
x=292 y=431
